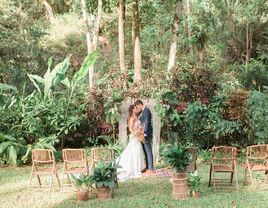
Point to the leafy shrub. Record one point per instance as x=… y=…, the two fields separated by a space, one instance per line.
x=178 y=157
x=82 y=182
x=104 y=174
x=194 y=182
x=257 y=117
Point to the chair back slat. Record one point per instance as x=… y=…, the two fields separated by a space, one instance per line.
x=103 y=153
x=74 y=155
x=42 y=156
x=223 y=155
x=257 y=151
x=257 y=155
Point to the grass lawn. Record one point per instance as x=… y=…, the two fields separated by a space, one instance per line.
x=145 y=192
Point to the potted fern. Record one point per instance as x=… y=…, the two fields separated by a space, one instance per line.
x=194 y=181
x=83 y=184
x=178 y=157
x=103 y=178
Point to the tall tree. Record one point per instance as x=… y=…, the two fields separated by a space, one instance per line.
x=121 y=34
x=92 y=36
x=189 y=29
x=136 y=39
x=174 y=37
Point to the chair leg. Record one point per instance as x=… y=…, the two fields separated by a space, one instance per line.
x=251 y=179
x=245 y=176
x=39 y=180
x=62 y=181
x=68 y=178
x=236 y=180
x=209 y=180
x=58 y=179
x=31 y=176
x=50 y=184
x=231 y=179
x=214 y=178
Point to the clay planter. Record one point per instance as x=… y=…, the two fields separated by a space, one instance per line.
x=180 y=188
x=104 y=193
x=196 y=194
x=82 y=195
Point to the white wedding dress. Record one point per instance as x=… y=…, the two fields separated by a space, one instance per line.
x=131 y=161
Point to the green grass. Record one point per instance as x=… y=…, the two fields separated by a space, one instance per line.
x=146 y=192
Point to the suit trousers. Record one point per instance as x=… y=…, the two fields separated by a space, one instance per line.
x=147 y=147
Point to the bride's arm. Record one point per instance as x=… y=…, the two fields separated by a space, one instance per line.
x=131 y=125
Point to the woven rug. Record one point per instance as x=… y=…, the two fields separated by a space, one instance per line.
x=165 y=172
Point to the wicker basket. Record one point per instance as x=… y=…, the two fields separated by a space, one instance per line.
x=180 y=188
x=104 y=193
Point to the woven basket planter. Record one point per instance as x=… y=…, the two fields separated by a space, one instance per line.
x=180 y=188
x=104 y=193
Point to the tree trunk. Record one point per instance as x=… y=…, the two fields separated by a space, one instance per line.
x=174 y=37
x=121 y=35
x=86 y=22
x=92 y=39
x=137 y=48
x=49 y=10
x=189 y=29
x=97 y=25
x=249 y=33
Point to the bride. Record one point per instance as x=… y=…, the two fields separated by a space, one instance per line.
x=131 y=161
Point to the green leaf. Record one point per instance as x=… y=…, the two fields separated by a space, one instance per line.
x=66 y=82
x=88 y=61
x=7 y=87
x=35 y=78
x=4 y=146
x=59 y=72
x=12 y=155
x=48 y=82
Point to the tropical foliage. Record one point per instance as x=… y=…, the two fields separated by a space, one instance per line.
x=178 y=157
x=82 y=182
x=104 y=174
x=194 y=181
x=216 y=94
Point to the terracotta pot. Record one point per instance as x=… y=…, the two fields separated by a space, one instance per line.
x=180 y=188
x=82 y=195
x=104 y=193
x=196 y=194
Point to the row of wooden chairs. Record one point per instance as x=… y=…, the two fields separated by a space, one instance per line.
x=75 y=161
x=224 y=160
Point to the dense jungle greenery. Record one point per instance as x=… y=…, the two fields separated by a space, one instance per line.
x=215 y=94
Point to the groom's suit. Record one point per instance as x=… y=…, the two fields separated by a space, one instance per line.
x=146 y=120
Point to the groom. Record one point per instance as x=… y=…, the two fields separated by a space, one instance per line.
x=146 y=117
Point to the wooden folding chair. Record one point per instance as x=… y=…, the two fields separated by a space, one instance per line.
x=223 y=161
x=43 y=163
x=74 y=162
x=256 y=160
x=103 y=154
x=192 y=166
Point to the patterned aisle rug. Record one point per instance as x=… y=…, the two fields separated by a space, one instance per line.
x=164 y=172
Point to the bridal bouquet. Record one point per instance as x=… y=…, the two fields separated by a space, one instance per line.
x=139 y=133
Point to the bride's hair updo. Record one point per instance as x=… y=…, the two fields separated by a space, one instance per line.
x=130 y=111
